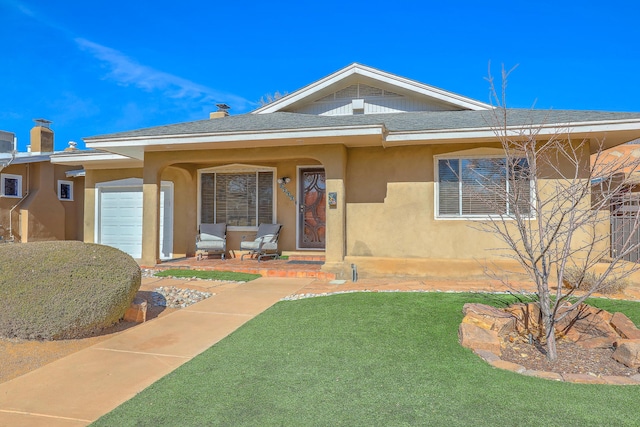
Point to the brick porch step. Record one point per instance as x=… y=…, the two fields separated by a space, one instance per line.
x=266 y=268
x=305 y=256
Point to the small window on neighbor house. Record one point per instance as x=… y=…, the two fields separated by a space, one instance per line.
x=11 y=185
x=65 y=190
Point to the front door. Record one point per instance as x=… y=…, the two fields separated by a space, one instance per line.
x=312 y=214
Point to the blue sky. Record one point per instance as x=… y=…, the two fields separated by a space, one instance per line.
x=96 y=67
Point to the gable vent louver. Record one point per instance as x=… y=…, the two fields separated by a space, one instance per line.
x=358 y=91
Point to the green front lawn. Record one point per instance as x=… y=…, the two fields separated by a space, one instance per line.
x=208 y=275
x=367 y=359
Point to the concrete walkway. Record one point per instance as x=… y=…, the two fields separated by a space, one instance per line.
x=79 y=388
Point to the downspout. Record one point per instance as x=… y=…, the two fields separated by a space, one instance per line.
x=2 y=166
x=385 y=133
x=13 y=238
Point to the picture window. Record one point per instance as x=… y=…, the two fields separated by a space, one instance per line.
x=482 y=187
x=239 y=199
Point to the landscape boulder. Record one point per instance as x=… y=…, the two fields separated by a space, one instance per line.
x=137 y=311
x=484 y=329
x=624 y=326
x=528 y=317
x=489 y=318
x=628 y=353
x=477 y=338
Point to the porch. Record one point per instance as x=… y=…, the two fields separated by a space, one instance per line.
x=305 y=265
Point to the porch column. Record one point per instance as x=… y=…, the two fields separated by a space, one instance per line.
x=150 y=214
x=89 y=235
x=336 y=232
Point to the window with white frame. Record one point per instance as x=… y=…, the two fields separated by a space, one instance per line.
x=482 y=187
x=240 y=199
x=65 y=190
x=11 y=185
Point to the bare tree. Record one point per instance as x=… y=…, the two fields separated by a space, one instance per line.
x=552 y=219
x=271 y=97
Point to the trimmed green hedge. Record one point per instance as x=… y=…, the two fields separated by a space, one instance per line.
x=63 y=289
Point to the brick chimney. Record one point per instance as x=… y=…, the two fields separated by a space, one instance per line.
x=41 y=137
x=223 y=111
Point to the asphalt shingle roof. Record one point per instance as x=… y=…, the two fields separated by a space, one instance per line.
x=394 y=122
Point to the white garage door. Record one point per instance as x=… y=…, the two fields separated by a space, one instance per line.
x=120 y=217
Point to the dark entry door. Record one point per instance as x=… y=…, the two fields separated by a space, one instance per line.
x=312 y=215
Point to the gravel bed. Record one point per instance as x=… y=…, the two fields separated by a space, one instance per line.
x=296 y=297
x=148 y=272
x=572 y=359
x=172 y=297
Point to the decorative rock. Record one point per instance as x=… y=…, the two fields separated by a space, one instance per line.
x=528 y=317
x=482 y=309
x=587 y=320
x=624 y=326
x=509 y=366
x=137 y=312
x=597 y=342
x=489 y=318
x=618 y=380
x=543 y=374
x=487 y=355
x=628 y=353
x=587 y=326
x=583 y=379
x=474 y=337
x=173 y=297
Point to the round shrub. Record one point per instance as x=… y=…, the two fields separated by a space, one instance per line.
x=63 y=289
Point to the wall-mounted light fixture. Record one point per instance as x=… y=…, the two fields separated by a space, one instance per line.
x=281 y=183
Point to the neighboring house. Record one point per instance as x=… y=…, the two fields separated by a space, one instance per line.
x=625 y=208
x=38 y=200
x=626 y=159
x=363 y=151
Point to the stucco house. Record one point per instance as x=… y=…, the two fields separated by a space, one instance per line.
x=38 y=200
x=350 y=164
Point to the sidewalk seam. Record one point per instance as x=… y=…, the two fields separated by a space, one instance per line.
x=35 y=414
x=142 y=353
x=218 y=312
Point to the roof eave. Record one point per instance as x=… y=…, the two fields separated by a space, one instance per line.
x=99 y=143
x=355 y=68
x=592 y=130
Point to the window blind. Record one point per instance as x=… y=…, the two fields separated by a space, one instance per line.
x=239 y=199
x=482 y=186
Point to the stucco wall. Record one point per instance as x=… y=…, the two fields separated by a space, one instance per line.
x=8 y=203
x=391 y=202
x=184 y=177
x=385 y=209
x=39 y=214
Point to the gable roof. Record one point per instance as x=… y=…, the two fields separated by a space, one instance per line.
x=424 y=127
x=358 y=73
x=284 y=123
x=420 y=121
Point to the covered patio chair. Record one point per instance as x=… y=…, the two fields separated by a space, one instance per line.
x=265 y=244
x=212 y=239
